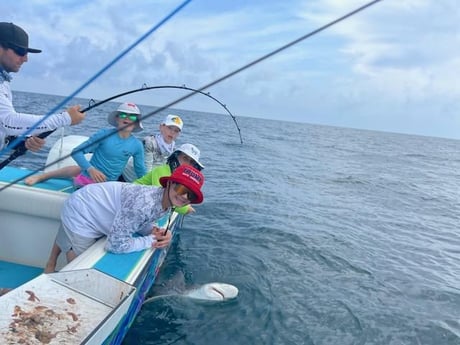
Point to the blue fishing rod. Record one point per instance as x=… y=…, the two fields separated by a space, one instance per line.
x=19 y=139
x=242 y=68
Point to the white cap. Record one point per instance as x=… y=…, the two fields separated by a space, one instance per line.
x=173 y=120
x=128 y=108
x=191 y=151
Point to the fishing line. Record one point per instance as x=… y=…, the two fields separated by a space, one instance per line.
x=200 y=90
x=264 y=57
x=18 y=139
x=21 y=149
x=183 y=87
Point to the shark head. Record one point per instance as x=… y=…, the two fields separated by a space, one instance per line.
x=213 y=292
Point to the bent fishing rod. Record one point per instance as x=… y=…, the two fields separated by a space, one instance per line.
x=21 y=149
x=183 y=87
x=250 y=64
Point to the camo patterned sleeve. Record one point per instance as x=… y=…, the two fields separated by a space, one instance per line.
x=152 y=153
x=140 y=206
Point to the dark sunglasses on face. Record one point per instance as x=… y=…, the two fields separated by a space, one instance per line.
x=17 y=50
x=190 y=161
x=181 y=190
x=197 y=166
x=132 y=117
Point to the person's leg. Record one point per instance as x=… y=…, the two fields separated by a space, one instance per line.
x=70 y=243
x=62 y=243
x=70 y=255
x=65 y=172
x=52 y=260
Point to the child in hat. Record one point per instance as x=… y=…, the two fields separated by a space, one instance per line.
x=111 y=148
x=186 y=154
x=158 y=147
x=120 y=210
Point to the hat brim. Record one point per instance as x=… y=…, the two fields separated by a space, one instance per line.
x=191 y=155
x=29 y=50
x=199 y=195
x=173 y=124
x=32 y=50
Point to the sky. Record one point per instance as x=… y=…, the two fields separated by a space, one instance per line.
x=392 y=67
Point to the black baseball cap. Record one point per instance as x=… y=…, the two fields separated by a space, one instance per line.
x=16 y=36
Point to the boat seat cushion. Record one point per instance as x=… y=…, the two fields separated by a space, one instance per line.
x=12 y=275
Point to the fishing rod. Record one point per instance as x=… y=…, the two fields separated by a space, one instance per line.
x=183 y=87
x=21 y=149
x=17 y=140
x=250 y=64
x=264 y=57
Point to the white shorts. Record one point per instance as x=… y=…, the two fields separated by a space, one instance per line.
x=67 y=240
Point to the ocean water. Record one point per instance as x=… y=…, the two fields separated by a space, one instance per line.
x=332 y=235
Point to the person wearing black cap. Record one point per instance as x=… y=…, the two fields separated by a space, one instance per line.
x=14 y=47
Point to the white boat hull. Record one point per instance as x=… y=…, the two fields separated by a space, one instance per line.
x=30 y=221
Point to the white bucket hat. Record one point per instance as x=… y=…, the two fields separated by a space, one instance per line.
x=173 y=120
x=128 y=108
x=191 y=151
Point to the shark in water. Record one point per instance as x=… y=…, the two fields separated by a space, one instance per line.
x=207 y=292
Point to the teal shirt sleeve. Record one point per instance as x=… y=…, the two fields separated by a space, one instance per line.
x=90 y=145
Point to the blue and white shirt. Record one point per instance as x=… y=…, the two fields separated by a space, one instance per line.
x=110 y=153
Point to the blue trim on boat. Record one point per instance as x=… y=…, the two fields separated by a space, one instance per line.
x=10 y=174
x=143 y=285
x=12 y=275
x=118 y=265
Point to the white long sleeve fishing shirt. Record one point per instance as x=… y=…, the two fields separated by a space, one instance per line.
x=117 y=210
x=13 y=123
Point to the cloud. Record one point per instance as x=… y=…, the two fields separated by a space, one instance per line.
x=387 y=67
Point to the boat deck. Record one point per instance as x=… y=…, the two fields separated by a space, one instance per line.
x=80 y=305
x=62 y=308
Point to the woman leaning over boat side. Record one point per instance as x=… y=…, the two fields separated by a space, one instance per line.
x=119 y=210
x=186 y=154
x=157 y=147
x=14 y=47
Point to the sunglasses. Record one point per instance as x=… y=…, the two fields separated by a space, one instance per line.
x=197 y=166
x=190 y=161
x=181 y=190
x=17 y=50
x=132 y=117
